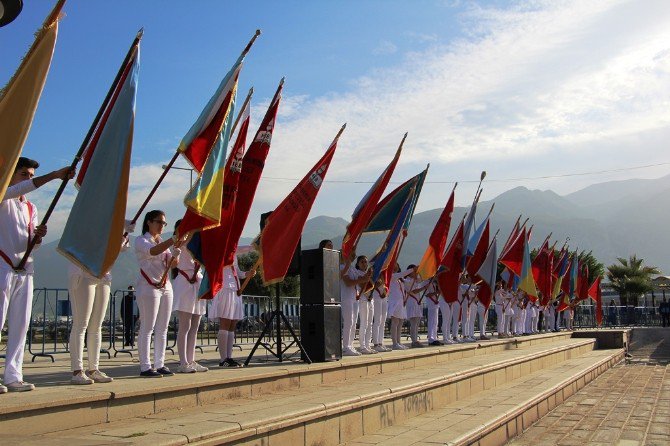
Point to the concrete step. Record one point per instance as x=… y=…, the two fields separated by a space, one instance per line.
x=495 y=417
x=326 y=413
x=130 y=396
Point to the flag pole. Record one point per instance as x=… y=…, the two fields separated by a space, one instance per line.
x=176 y=155
x=131 y=52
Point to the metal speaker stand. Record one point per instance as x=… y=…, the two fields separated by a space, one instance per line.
x=278 y=317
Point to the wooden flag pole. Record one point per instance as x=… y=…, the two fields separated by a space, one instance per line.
x=248 y=278
x=87 y=139
x=176 y=155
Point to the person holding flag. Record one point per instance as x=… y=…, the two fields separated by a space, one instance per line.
x=228 y=308
x=499 y=298
x=19 y=222
x=154 y=291
x=187 y=277
x=380 y=309
x=414 y=307
x=397 y=311
x=433 y=303
x=351 y=277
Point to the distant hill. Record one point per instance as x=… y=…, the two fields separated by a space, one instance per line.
x=612 y=219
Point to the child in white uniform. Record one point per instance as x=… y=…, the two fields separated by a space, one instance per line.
x=19 y=223
x=227 y=306
x=187 y=277
x=397 y=311
x=154 y=292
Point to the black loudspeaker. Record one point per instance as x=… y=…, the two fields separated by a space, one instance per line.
x=294 y=267
x=321 y=332
x=320 y=276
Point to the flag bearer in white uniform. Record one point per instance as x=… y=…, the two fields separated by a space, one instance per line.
x=433 y=304
x=18 y=225
x=89 y=297
x=187 y=277
x=228 y=308
x=380 y=304
x=365 y=310
x=499 y=299
x=154 y=291
x=472 y=312
x=445 y=308
x=350 y=279
x=483 y=317
x=509 y=312
x=397 y=311
x=414 y=286
x=457 y=309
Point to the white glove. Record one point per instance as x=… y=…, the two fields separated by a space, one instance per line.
x=129 y=227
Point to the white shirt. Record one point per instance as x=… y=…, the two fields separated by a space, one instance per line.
x=396 y=287
x=187 y=264
x=15 y=221
x=346 y=291
x=229 y=280
x=153 y=266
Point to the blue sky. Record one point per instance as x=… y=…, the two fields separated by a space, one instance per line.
x=520 y=89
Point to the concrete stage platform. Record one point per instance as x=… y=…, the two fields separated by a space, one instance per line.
x=293 y=403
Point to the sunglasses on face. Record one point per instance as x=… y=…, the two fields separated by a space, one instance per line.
x=160 y=222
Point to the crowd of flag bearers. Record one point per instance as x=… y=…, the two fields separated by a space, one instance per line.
x=178 y=272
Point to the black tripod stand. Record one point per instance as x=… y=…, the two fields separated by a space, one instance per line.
x=278 y=316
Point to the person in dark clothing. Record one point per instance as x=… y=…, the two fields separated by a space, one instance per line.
x=664 y=309
x=129 y=317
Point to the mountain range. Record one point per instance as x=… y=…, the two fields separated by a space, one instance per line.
x=611 y=219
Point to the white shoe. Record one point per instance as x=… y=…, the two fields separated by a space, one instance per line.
x=20 y=386
x=198 y=367
x=99 y=377
x=367 y=351
x=186 y=368
x=457 y=340
x=379 y=348
x=387 y=349
x=350 y=352
x=79 y=379
x=447 y=341
x=397 y=347
x=3 y=389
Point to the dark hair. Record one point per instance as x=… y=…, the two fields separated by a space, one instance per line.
x=176 y=224
x=324 y=242
x=358 y=259
x=26 y=162
x=411 y=266
x=148 y=217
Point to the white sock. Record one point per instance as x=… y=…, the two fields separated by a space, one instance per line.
x=223 y=343
x=231 y=341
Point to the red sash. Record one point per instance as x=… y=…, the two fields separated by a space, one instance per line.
x=163 y=281
x=194 y=277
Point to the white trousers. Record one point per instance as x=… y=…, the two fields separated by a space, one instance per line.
x=465 y=318
x=483 y=315
x=365 y=313
x=509 y=322
x=471 y=319
x=16 y=297
x=445 y=308
x=500 y=316
x=155 y=308
x=381 y=307
x=455 y=314
x=349 y=316
x=88 y=298
x=433 y=316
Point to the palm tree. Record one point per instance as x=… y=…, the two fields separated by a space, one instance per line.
x=631 y=278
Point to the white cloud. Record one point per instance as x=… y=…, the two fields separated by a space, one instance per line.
x=385 y=48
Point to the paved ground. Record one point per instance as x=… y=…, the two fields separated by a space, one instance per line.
x=628 y=405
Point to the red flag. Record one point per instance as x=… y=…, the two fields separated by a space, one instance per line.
x=437 y=241
x=513 y=258
x=364 y=211
x=583 y=283
x=252 y=168
x=449 y=274
x=565 y=284
x=479 y=255
x=595 y=293
x=388 y=272
x=282 y=229
x=512 y=236
x=209 y=243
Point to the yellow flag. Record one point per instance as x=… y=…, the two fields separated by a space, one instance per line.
x=19 y=98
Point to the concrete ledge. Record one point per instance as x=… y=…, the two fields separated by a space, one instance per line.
x=606 y=339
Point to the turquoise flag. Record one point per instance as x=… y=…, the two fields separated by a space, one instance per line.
x=92 y=234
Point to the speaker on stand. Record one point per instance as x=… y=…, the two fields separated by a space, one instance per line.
x=320 y=310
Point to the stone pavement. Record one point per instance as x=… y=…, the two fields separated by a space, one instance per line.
x=628 y=405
